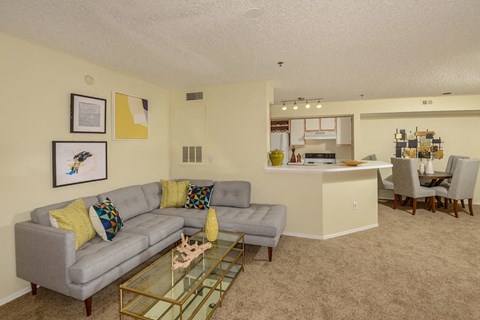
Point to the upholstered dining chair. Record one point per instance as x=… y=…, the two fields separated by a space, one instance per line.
x=386 y=183
x=406 y=183
x=452 y=164
x=462 y=185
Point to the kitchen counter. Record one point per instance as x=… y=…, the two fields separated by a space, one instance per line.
x=328 y=168
x=337 y=199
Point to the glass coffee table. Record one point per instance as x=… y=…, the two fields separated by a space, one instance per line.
x=158 y=292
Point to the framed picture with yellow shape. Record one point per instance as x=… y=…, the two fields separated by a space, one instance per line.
x=130 y=117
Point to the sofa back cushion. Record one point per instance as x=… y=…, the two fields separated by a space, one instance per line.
x=153 y=194
x=129 y=201
x=40 y=215
x=231 y=194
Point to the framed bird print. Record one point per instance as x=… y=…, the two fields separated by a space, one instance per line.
x=78 y=162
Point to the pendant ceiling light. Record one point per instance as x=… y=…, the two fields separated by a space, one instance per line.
x=319 y=105
x=307 y=105
x=295 y=107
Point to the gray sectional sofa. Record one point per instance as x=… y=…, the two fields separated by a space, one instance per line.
x=46 y=256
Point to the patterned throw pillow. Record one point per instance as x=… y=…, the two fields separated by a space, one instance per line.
x=106 y=220
x=174 y=193
x=198 y=197
x=74 y=217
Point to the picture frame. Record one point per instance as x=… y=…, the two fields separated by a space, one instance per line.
x=87 y=114
x=129 y=117
x=75 y=162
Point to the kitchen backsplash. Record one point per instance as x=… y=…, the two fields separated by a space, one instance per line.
x=342 y=152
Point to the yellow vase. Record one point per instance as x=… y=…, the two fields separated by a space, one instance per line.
x=211 y=225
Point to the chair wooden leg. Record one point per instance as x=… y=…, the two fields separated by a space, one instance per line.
x=470 y=206
x=414 y=205
x=455 y=210
x=270 y=253
x=88 y=306
x=446 y=203
x=433 y=202
x=395 y=197
x=439 y=202
x=463 y=203
x=34 y=288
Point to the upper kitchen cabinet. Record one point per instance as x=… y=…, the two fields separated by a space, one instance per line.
x=312 y=124
x=279 y=126
x=344 y=131
x=327 y=124
x=297 y=132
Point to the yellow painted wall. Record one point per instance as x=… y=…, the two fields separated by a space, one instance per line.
x=35 y=92
x=454 y=118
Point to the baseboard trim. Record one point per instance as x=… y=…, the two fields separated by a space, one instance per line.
x=329 y=236
x=15 y=295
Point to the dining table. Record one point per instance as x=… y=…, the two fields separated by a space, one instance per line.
x=433 y=179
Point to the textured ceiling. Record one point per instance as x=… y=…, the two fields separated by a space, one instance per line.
x=337 y=50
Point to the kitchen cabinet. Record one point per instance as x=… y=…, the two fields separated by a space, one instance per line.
x=297 y=132
x=344 y=131
x=312 y=124
x=279 y=126
x=327 y=124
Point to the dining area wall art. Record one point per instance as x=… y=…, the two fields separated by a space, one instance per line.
x=418 y=144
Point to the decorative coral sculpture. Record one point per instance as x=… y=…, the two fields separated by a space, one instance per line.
x=188 y=252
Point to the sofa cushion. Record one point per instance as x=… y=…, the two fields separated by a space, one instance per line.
x=153 y=194
x=74 y=217
x=153 y=226
x=41 y=215
x=198 y=197
x=174 y=193
x=97 y=256
x=258 y=219
x=192 y=218
x=231 y=194
x=106 y=219
x=129 y=201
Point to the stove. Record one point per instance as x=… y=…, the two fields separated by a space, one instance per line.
x=312 y=159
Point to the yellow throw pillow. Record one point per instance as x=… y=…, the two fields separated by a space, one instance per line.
x=174 y=193
x=74 y=217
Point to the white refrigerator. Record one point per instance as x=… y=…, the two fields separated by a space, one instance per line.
x=280 y=141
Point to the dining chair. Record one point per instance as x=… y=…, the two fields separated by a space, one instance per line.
x=386 y=183
x=452 y=164
x=406 y=183
x=462 y=185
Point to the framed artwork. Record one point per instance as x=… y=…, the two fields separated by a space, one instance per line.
x=130 y=117
x=87 y=114
x=78 y=162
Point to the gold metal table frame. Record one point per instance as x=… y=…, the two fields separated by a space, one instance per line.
x=158 y=292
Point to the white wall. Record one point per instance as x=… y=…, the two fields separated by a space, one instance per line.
x=35 y=91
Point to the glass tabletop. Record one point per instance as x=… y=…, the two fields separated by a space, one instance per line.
x=159 y=281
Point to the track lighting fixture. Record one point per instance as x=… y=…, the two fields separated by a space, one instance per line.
x=299 y=101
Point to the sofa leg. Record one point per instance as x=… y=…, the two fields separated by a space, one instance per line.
x=34 y=288
x=270 y=252
x=88 y=306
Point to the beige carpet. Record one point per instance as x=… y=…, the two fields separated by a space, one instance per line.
x=411 y=267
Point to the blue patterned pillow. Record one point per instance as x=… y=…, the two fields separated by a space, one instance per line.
x=198 y=197
x=105 y=219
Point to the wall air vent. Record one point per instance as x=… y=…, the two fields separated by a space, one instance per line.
x=192 y=154
x=194 y=96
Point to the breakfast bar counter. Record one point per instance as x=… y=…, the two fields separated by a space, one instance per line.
x=328 y=168
x=337 y=199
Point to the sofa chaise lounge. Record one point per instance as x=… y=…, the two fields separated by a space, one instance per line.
x=46 y=255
